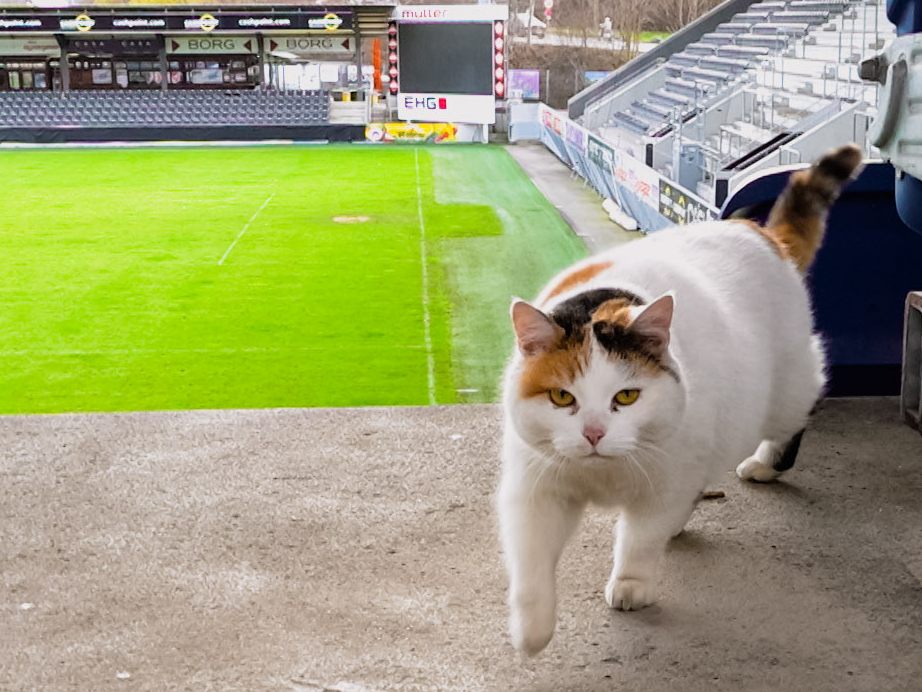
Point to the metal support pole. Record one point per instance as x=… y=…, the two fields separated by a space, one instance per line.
x=164 y=68
x=358 y=57
x=359 y=77
x=64 y=67
x=261 y=53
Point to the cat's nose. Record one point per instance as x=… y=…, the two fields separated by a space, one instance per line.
x=593 y=433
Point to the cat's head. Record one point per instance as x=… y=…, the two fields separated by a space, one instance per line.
x=593 y=378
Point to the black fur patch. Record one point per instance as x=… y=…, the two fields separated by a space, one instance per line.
x=575 y=313
x=622 y=342
x=789 y=456
x=835 y=168
x=616 y=339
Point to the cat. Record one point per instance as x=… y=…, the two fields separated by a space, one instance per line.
x=642 y=373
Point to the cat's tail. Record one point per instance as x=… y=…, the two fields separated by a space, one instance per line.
x=797 y=222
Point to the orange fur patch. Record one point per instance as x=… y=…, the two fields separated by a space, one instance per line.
x=798 y=220
x=616 y=311
x=800 y=241
x=577 y=277
x=553 y=369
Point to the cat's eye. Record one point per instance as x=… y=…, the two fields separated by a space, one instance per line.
x=626 y=397
x=561 y=397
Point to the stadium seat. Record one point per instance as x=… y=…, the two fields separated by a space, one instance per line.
x=774 y=43
x=734 y=27
x=687 y=87
x=156 y=108
x=631 y=123
x=718 y=37
x=669 y=98
x=799 y=17
x=733 y=65
x=701 y=48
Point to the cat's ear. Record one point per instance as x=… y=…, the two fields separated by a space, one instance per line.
x=653 y=322
x=534 y=331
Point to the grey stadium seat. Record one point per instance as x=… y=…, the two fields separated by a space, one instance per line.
x=155 y=108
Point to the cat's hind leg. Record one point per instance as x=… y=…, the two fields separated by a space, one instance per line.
x=798 y=388
x=770 y=460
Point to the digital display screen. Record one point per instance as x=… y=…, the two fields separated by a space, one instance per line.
x=446 y=58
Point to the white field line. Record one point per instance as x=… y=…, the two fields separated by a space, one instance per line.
x=245 y=228
x=424 y=260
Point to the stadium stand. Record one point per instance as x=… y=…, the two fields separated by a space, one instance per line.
x=106 y=109
x=773 y=84
x=724 y=148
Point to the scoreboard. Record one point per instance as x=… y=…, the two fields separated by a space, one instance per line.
x=447 y=62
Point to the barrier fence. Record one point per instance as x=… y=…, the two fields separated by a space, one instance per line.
x=652 y=200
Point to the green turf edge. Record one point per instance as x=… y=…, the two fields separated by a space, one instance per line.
x=535 y=244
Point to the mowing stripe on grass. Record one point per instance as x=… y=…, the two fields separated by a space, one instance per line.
x=22 y=353
x=424 y=260
x=246 y=226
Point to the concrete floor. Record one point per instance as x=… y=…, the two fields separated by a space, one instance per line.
x=355 y=549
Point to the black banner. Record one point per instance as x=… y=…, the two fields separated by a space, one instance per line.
x=677 y=206
x=114 y=46
x=16 y=23
x=48 y=135
x=317 y=20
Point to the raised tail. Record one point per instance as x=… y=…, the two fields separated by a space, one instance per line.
x=797 y=222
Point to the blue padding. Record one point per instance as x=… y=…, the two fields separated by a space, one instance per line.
x=906 y=15
x=909 y=201
x=869 y=261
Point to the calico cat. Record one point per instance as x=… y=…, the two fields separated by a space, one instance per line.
x=642 y=373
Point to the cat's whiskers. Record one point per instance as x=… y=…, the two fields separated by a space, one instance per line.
x=634 y=464
x=650 y=446
x=550 y=459
x=542 y=471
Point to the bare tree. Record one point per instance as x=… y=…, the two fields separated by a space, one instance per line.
x=629 y=17
x=672 y=15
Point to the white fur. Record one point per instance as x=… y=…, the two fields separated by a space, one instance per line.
x=750 y=370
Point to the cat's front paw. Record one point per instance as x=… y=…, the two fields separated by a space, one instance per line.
x=531 y=628
x=629 y=594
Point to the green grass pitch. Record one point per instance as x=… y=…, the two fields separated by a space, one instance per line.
x=114 y=296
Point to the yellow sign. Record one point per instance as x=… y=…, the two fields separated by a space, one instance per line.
x=331 y=21
x=328 y=22
x=84 y=22
x=207 y=22
x=411 y=132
